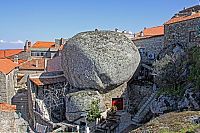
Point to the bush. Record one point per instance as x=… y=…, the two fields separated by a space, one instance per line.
x=94 y=111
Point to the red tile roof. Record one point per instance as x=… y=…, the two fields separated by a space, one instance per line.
x=34 y=64
x=47 y=81
x=7 y=107
x=6 y=66
x=42 y=44
x=150 y=32
x=9 y=52
x=182 y=18
x=154 y=31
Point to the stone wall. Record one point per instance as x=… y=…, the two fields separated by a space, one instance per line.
x=11 y=123
x=11 y=83
x=7 y=86
x=3 y=93
x=151 y=45
x=180 y=32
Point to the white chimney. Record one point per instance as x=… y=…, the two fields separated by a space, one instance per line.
x=36 y=63
x=16 y=58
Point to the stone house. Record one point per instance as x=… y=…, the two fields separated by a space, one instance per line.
x=48 y=50
x=149 y=42
x=184 y=28
x=8 y=79
x=46 y=99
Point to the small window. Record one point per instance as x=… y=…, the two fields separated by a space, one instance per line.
x=192 y=36
x=38 y=54
x=142 y=50
x=151 y=55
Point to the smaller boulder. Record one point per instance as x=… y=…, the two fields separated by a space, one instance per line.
x=79 y=102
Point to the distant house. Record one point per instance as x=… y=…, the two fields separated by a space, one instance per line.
x=43 y=49
x=17 y=55
x=9 y=52
x=33 y=66
x=149 y=42
x=184 y=28
x=8 y=80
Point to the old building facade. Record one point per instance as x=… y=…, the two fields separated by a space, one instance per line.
x=184 y=28
x=43 y=49
x=45 y=99
x=149 y=43
x=8 y=80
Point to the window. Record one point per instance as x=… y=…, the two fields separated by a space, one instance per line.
x=142 y=50
x=194 y=36
x=151 y=55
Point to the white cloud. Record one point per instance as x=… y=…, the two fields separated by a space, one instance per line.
x=2 y=41
x=11 y=44
x=18 y=41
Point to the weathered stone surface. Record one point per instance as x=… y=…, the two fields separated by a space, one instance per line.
x=120 y=91
x=171 y=68
x=79 y=102
x=152 y=45
x=180 y=33
x=167 y=103
x=11 y=123
x=99 y=60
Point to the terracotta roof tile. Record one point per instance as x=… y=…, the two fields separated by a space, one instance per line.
x=183 y=18
x=34 y=64
x=9 y=52
x=7 y=107
x=150 y=32
x=42 y=44
x=154 y=31
x=6 y=66
x=47 y=81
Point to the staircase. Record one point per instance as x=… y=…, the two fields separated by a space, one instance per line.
x=145 y=108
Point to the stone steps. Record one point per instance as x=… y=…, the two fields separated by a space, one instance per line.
x=144 y=109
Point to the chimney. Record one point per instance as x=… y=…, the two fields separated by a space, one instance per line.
x=29 y=44
x=116 y=30
x=96 y=30
x=141 y=34
x=61 y=41
x=16 y=58
x=26 y=46
x=36 y=63
x=57 y=43
x=45 y=64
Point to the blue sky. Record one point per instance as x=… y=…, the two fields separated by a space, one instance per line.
x=49 y=19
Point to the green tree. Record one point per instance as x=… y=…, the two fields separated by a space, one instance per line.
x=94 y=111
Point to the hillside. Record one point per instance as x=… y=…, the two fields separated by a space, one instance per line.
x=173 y=122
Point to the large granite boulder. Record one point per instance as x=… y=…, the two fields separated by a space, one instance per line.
x=99 y=60
x=79 y=102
